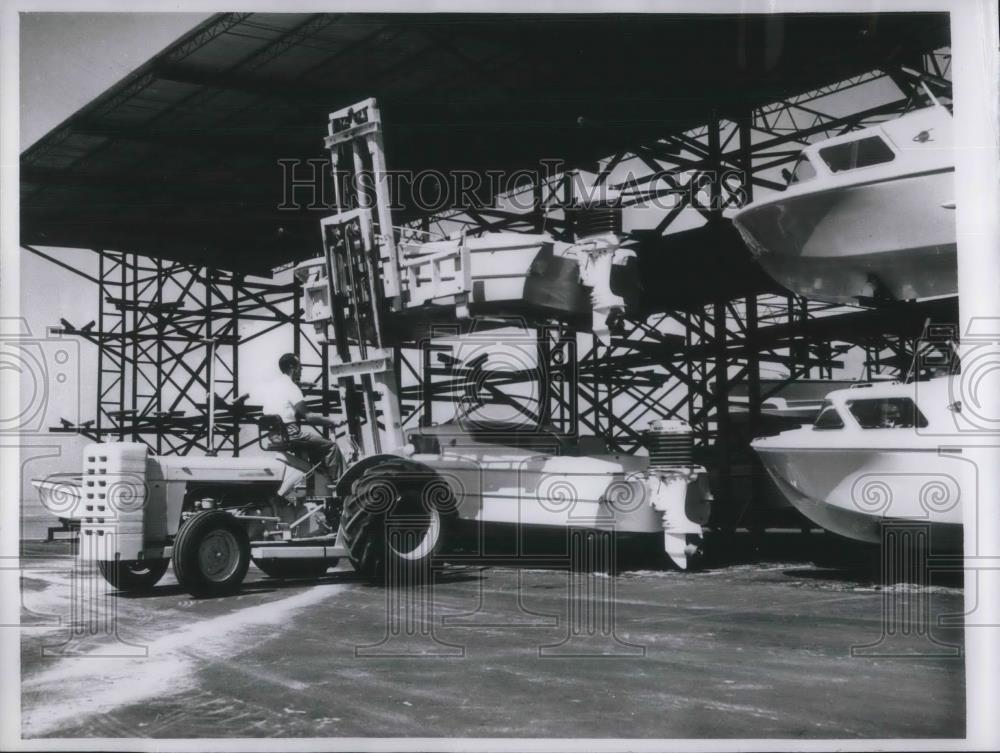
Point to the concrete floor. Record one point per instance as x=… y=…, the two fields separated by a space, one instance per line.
x=760 y=650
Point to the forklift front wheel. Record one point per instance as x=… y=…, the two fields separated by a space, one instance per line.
x=394 y=520
x=211 y=554
x=133 y=576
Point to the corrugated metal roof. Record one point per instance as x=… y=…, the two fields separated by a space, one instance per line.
x=180 y=159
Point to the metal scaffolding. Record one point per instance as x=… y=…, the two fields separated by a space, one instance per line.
x=168 y=338
x=707 y=171
x=166 y=331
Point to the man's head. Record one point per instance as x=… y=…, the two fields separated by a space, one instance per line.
x=290 y=365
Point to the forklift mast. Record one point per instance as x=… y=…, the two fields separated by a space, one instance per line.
x=365 y=278
x=350 y=289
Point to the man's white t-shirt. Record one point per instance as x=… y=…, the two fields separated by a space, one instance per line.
x=280 y=398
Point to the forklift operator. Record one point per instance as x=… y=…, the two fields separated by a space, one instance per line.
x=284 y=398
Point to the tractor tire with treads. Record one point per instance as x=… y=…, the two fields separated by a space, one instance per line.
x=394 y=522
x=211 y=554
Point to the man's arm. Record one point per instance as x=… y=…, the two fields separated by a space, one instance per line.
x=314 y=419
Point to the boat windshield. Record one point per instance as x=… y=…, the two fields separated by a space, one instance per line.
x=887 y=413
x=802 y=171
x=828 y=418
x=871 y=150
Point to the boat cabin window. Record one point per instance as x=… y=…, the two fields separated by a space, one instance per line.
x=865 y=152
x=802 y=171
x=887 y=413
x=828 y=418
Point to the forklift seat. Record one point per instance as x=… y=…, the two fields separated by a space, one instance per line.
x=270 y=427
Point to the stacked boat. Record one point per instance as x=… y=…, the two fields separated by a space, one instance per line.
x=875 y=456
x=865 y=216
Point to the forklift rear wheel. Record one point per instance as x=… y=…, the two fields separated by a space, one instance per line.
x=211 y=554
x=133 y=576
x=274 y=567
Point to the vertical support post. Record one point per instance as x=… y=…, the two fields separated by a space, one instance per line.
x=607 y=377
x=753 y=400
x=568 y=218
x=426 y=384
x=210 y=346
x=806 y=355
x=135 y=346
x=101 y=294
x=543 y=357
x=746 y=154
x=209 y=360
x=689 y=371
x=237 y=283
x=722 y=441
x=158 y=406
x=297 y=318
x=570 y=381
x=753 y=361
x=123 y=345
x=537 y=205
x=715 y=160
x=793 y=346
x=562 y=383
x=751 y=318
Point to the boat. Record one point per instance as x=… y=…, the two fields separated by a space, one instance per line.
x=873 y=456
x=754 y=500
x=538 y=480
x=786 y=403
x=60 y=494
x=506 y=272
x=867 y=216
x=503 y=274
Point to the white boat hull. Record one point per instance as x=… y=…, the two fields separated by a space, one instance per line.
x=506 y=270
x=866 y=214
x=583 y=492
x=855 y=492
x=829 y=245
x=61 y=494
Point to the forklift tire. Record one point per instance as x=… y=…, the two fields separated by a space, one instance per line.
x=274 y=567
x=394 y=521
x=211 y=554
x=133 y=576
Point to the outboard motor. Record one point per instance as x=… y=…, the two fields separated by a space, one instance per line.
x=677 y=488
x=670 y=444
x=600 y=216
x=597 y=224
